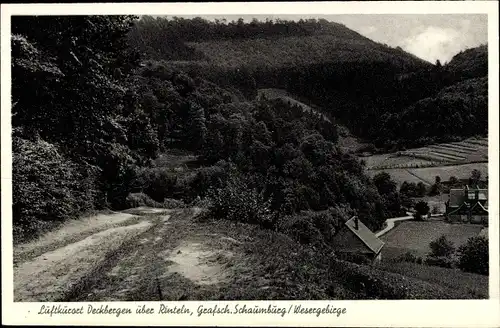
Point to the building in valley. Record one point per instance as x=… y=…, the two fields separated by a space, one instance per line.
x=469 y=205
x=354 y=238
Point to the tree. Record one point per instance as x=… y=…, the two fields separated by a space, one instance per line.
x=441 y=247
x=385 y=185
x=475 y=177
x=422 y=209
x=421 y=189
x=474 y=255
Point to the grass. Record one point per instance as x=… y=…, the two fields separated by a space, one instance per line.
x=466 y=151
x=469 y=151
x=428 y=174
x=415 y=236
x=264 y=265
x=450 y=278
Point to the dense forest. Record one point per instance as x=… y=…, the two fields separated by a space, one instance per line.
x=88 y=119
x=363 y=84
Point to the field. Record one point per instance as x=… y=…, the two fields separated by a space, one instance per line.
x=428 y=174
x=414 y=237
x=452 y=278
x=472 y=150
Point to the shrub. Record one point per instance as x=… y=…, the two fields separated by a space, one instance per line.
x=157 y=183
x=141 y=199
x=301 y=228
x=422 y=209
x=441 y=261
x=236 y=202
x=357 y=258
x=173 y=203
x=441 y=247
x=473 y=256
x=407 y=257
x=47 y=186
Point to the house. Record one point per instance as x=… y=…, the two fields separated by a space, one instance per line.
x=354 y=238
x=468 y=205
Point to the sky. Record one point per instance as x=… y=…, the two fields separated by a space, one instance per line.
x=430 y=37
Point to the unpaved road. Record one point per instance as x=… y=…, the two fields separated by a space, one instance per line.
x=390 y=224
x=140 y=254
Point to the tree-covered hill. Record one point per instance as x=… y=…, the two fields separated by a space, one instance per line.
x=470 y=63
x=363 y=84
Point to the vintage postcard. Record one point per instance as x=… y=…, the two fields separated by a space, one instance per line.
x=250 y=164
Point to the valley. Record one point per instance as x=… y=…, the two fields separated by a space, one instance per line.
x=192 y=159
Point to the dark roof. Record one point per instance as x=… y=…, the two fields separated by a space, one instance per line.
x=365 y=235
x=457 y=197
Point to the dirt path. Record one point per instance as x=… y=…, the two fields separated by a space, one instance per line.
x=390 y=224
x=138 y=255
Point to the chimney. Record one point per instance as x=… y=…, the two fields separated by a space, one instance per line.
x=356 y=223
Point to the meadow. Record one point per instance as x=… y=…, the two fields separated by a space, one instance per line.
x=415 y=236
x=472 y=150
x=464 y=282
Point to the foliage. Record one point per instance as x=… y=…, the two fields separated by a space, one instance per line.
x=475 y=177
x=47 y=186
x=441 y=247
x=473 y=256
x=422 y=209
x=235 y=201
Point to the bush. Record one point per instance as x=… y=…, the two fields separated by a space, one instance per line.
x=157 y=183
x=236 y=202
x=141 y=199
x=474 y=255
x=301 y=229
x=441 y=247
x=357 y=258
x=407 y=257
x=441 y=261
x=47 y=186
x=422 y=209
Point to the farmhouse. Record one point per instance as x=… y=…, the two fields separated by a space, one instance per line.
x=468 y=205
x=355 y=238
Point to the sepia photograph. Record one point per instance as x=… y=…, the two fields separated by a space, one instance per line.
x=253 y=157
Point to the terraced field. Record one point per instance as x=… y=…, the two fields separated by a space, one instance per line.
x=423 y=164
x=466 y=151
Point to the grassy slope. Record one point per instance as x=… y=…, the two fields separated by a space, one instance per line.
x=185 y=258
x=452 y=278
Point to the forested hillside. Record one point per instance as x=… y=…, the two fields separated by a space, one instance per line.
x=88 y=120
x=99 y=101
x=363 y=84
